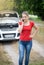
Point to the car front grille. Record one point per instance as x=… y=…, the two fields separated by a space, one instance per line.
x=8 y=27
x=12 y=35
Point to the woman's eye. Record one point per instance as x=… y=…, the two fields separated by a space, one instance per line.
x=24 y=17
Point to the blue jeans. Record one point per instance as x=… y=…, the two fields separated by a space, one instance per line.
x=24 y=46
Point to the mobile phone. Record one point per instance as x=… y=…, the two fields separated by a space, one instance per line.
x=23 y=20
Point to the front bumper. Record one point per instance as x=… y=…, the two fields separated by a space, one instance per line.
x=9 y=35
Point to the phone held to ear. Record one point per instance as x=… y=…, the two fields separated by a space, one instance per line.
x=20 y=23
x=23 y=20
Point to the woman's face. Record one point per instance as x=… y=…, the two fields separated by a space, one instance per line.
x=25 y=17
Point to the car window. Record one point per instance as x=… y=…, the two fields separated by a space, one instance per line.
x=13 y=15
x=9 y=15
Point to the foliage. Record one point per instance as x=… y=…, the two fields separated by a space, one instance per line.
x=32 y=6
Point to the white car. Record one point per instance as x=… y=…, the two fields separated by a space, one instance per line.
x=8 y=26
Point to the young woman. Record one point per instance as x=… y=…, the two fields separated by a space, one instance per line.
x=26 y=35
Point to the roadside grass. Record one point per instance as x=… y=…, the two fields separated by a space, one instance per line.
x=37 y=63
x=36 y=59
x=40 y=35
x=4 y=60
x=37 y=20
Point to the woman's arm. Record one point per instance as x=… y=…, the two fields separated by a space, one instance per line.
x=20 y=27
x=35 y=31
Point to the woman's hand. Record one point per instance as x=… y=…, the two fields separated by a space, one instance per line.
x=36 y=30
x=31 y=36
x=20 y=26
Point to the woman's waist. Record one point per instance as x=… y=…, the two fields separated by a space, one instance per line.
x=25 y=38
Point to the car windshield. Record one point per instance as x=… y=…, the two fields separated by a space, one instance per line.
x=9 y=15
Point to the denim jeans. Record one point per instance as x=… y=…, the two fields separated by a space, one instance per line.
x=24 y=46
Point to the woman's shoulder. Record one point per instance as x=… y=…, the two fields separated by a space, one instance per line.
x=32 y=22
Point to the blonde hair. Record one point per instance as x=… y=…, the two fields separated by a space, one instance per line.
x=25 y=12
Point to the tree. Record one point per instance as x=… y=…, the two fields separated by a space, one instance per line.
x=38 y=8
x=32 y=6
x=6 y=4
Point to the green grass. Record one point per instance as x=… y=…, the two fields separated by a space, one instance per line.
x=37 y=20
x=37 y=63
x=2 y=62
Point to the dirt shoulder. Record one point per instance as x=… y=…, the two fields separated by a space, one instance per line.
x=4 y=58
x=34 y=55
